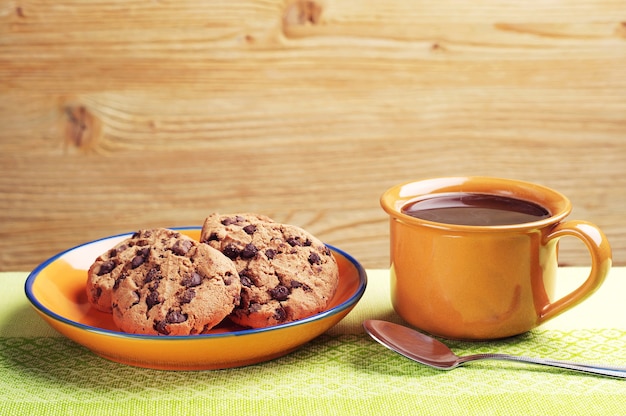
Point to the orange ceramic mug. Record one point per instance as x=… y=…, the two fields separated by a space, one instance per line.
x=482 y=281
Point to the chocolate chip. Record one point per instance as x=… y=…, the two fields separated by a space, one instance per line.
x=250 y=229
x=187 y=296
x=97 y=292
x=213 y=237
x=175 y=317
x=229 y=221
x=231 y=251
x=152 y=299
x=280 y=315
x=107 y=267
x=314 y=258
x=228 y=278
x=270 y=253
x=117 y=282
x=294 y=241
x=249 y=251
x=182 y=247
x=280 y=292
x=245 y=279
x=295 y=284
x=192 y=281
x=161 y=327
x=153 y=274
x=140 y=258
x=137 y=261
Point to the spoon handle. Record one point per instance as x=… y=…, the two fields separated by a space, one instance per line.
x=619 y=372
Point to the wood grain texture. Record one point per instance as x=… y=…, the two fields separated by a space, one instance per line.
x=118 y=115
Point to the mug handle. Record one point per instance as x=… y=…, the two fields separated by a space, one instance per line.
x=600 y=251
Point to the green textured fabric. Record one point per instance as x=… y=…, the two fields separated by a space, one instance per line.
x=341 y=372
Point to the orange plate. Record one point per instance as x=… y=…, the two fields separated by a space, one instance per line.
x=56 y=289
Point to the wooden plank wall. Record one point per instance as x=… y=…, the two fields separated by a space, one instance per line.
x=118 y=115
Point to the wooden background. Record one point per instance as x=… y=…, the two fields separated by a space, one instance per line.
x=117 y=115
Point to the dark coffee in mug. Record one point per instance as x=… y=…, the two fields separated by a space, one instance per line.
x=475 y=209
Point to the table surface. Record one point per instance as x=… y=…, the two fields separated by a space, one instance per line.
x=341 y=372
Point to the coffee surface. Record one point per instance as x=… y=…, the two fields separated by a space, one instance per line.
x=476 y=209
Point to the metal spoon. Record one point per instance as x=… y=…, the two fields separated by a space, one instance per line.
x=426 y=350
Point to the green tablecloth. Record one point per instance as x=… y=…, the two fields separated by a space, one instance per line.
x=341 y=372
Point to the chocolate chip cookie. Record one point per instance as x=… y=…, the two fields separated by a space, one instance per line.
x=178 y=287
x=286 y=273
x=107 y=267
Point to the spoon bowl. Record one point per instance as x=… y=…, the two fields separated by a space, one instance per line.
x=426 y=350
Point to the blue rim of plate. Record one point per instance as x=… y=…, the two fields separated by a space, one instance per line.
x=30 y=280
